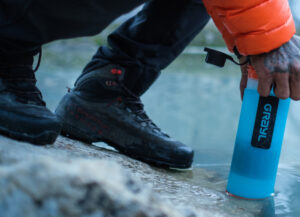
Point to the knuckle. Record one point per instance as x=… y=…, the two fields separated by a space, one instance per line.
x=266 y=77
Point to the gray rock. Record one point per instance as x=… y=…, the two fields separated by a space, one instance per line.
x=46 y=187
x=73 y=179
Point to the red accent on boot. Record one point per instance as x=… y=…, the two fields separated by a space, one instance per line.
x=116 y=71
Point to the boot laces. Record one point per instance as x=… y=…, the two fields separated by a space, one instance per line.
x=19 y=79
x=134 y=103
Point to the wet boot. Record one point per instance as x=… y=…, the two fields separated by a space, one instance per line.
x=105 y=106
x=23 y=115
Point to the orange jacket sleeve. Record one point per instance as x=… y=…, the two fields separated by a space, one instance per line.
x=253 y=26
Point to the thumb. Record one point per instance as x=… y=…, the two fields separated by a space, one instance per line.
x=244 y=78
x=243 y=82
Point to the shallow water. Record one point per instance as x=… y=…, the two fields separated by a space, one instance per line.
x=199 y=105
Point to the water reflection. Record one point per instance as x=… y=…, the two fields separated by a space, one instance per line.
x=287 y=192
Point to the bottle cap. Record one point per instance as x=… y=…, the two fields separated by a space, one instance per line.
x=251 y=72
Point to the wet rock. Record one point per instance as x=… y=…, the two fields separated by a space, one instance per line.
x=71 y=179
x=45 y=187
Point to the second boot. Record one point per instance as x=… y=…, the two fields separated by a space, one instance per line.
x=23 y=113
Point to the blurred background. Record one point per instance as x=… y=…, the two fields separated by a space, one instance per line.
x=199 y=104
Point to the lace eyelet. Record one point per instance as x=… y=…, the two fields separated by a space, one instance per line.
x=144 y=124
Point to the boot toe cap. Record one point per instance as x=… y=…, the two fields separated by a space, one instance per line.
x=184 y=156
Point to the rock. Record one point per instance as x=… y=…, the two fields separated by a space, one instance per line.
x=73 y=179
x=45 y=187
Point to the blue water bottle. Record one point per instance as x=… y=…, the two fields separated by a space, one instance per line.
x=258 y=143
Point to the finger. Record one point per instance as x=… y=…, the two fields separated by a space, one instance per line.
x=264 y=86
x=265 y=78
x=295 y=81
x=282 y=88
x=244 y=69
x=243 y=82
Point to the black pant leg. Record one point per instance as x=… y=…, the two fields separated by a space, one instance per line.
x=155 y=36
x=27 y=24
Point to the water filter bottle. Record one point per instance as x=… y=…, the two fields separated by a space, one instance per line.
x=258 y=143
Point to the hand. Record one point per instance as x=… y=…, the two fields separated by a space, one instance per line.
x=279 y=69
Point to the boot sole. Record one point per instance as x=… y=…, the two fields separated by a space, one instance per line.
x=47 y=137
x=28 y=127
x=156 y=163
x=70 y=130
x=76 y=136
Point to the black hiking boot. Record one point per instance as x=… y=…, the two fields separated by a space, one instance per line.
x=103 y=107
x=23 y=115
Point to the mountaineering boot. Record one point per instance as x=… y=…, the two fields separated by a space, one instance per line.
x=105 y=106
x=23 y=114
